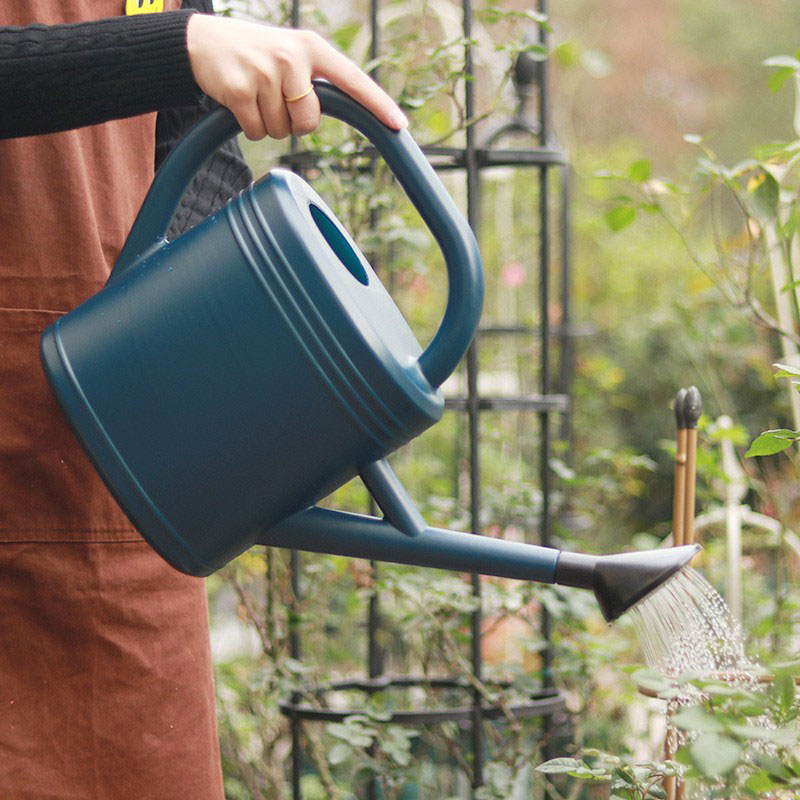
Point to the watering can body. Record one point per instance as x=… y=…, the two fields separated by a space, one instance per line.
x=234 y=377
x=225 y=382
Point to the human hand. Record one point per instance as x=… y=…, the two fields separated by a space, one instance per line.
x=263 y=74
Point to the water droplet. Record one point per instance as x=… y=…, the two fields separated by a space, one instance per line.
x=685 y=626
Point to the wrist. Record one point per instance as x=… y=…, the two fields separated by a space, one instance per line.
x=197 y=34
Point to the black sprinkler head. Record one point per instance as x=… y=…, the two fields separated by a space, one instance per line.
x=680 y=420
x=621 y=581
x=692 y=407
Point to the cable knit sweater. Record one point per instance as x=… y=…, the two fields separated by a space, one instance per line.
x=57 y=77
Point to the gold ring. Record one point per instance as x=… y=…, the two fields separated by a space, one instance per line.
x=306 y=93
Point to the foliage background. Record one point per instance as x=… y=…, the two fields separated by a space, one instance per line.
x=630 y=78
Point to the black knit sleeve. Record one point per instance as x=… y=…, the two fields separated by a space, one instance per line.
x=56 y=77
x=221 y=177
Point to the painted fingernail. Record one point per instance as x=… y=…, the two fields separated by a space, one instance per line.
x=398 y=119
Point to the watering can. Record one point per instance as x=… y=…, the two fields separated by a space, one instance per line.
x=225 y=382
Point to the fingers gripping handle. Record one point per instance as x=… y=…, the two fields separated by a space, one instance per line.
x=412 y=170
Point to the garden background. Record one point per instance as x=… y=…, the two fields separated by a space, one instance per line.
x=669 y=117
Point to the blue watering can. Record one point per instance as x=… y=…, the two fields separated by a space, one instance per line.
x=225 y=382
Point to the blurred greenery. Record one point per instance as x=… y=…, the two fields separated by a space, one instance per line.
x=670 y=288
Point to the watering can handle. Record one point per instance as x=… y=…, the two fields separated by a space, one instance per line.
x=410 y=167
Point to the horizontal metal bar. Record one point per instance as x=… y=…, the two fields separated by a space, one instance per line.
x=533 y=402
x=447 y=157
x=537 y=708
x=542 y=703
x=555 y=330
x=538 y=156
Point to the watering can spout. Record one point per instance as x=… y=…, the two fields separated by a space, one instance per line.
x=618 y=581
x=621 y=581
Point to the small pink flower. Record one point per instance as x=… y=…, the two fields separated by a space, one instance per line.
x=419 y=285
x=513 y=274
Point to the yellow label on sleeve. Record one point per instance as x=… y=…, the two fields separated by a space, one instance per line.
x=143 y=7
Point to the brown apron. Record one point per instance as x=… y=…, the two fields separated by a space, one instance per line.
x=105 y=672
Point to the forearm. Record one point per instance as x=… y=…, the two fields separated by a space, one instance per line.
x=53 y=78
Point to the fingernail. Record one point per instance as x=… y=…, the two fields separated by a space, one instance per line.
x=398 y=119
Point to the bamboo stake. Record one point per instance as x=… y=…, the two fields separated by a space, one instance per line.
x=678 y=503
x=692 y=408
x=680 y=785
x=679 y=489
x=669 y=783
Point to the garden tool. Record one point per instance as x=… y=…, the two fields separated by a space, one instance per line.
x=692 y=409
x=678 y=505
x=679 y=488
x=225 y=382
x=688 y=407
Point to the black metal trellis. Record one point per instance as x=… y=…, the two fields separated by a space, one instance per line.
x=552 y=398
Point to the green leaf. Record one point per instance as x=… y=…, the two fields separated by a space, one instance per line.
x=779 y=77
x=538 y=52
x=715 y=755
x=775 y=768
x=338 y=753
x=696 y=719
x=655 y=681
x=741 y=167
x=783 y=692
x=561 y=765
x=625 y=776
x=620 y=217
x=568 y=53
x=780 y=736
x=344 y=36
x=640 y=171
x=764 y=197
x=586 y=774
x=786 y=371
x=688 y=676
x=791 y=667
x=791 y=225
x=771 y=442
x=788 y=288
x=725 y=691
x=759 y=782
x=607 y=757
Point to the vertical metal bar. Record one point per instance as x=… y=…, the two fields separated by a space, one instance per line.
x=296 y=566
x=544 y=100
x=374 y=666
x=544 y=338
x=296 y=653
x=473 y=215
x=566 y=343
x=375 y=43
x=374 y=656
